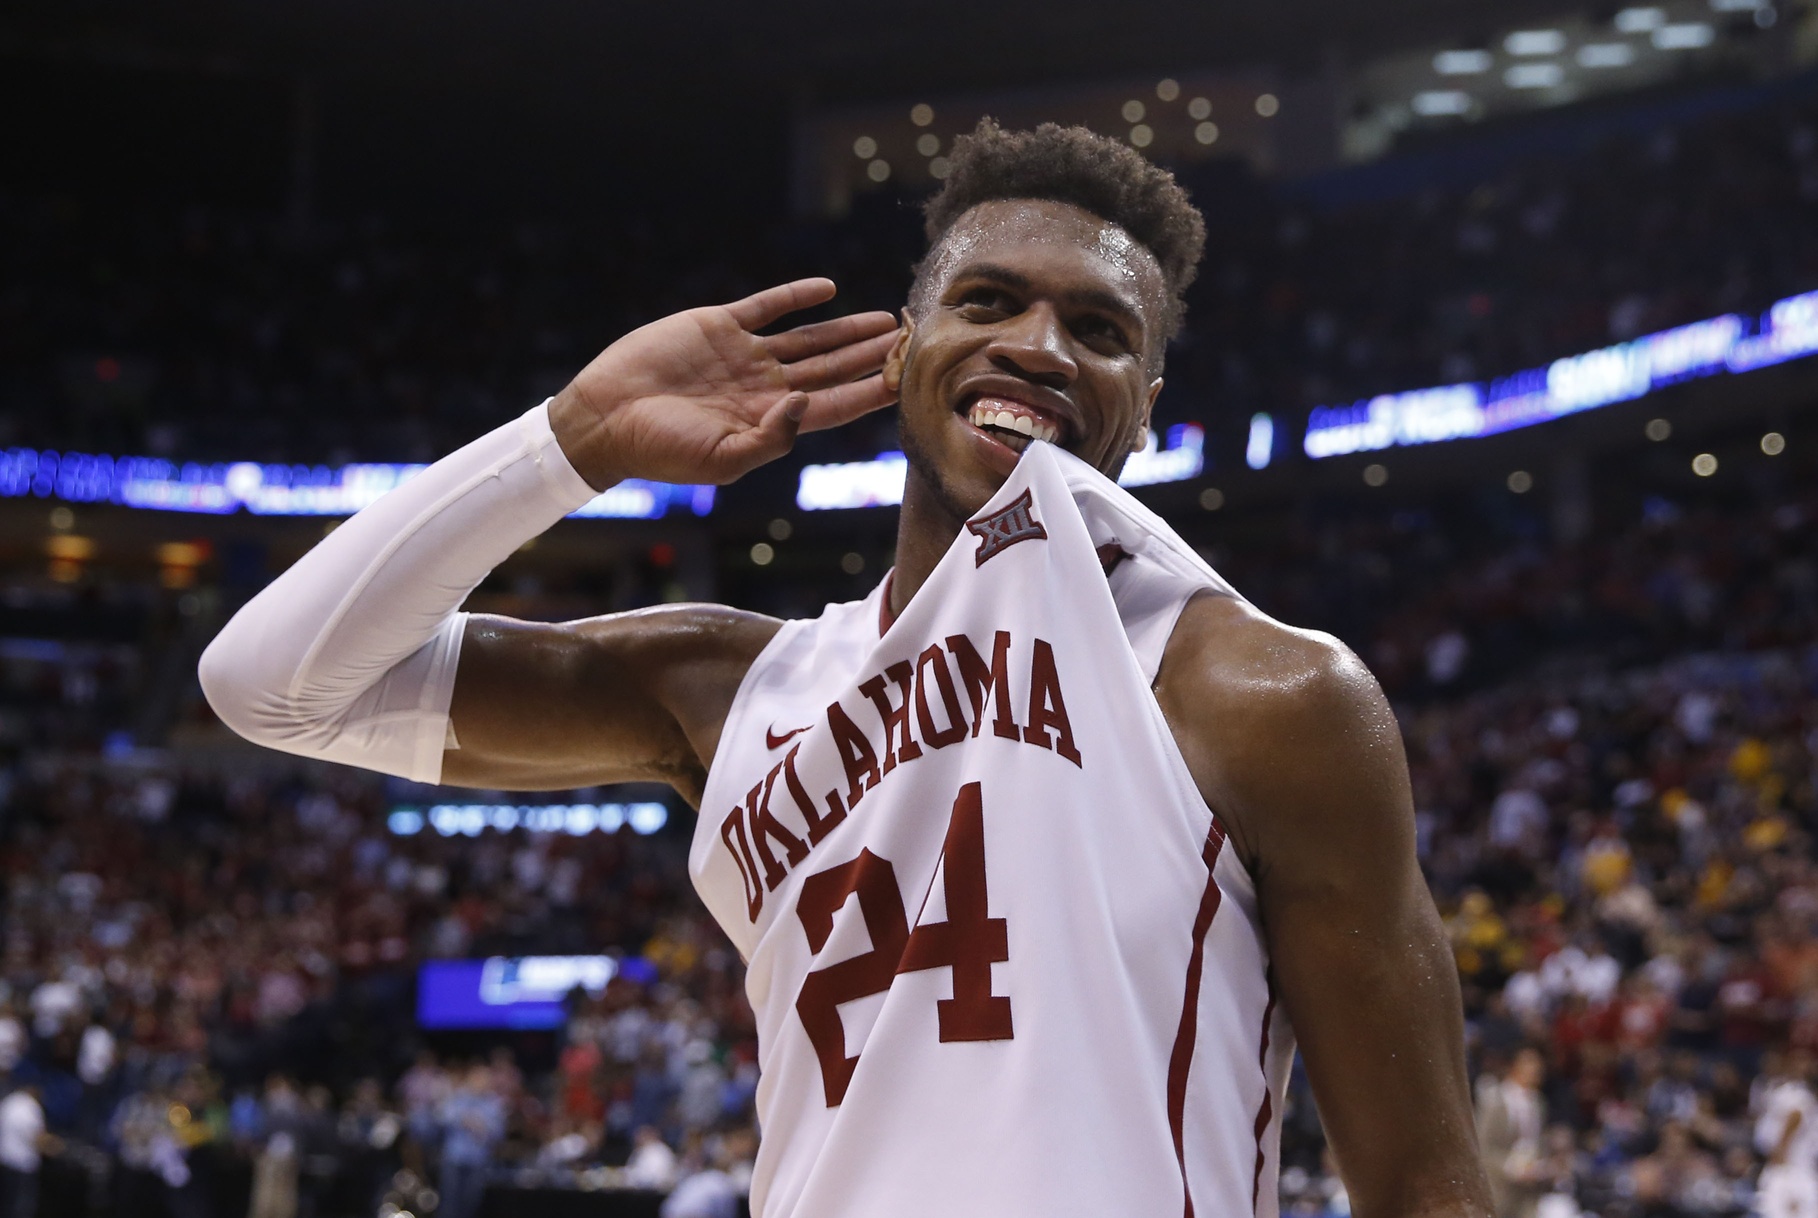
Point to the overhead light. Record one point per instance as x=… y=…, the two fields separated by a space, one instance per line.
x=921 y=114
x=1535 y=42
x=1462 y=63
x=1199 y=108
x=1640 y=20
x=928 y=143
x=1133 y=111
x=1735 y=6
x=1534 y=76
x=878 y=171
x=1267 y=104
x=1167 y=88
x=1206 y=133
x=864 y=148
x=1142 y=135
x=1436 y=102
x=1685 y=36
x=1606 y=55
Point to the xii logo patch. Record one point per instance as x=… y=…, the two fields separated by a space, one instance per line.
x=1001 y=530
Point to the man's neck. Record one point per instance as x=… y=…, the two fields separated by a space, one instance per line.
x=925 y=529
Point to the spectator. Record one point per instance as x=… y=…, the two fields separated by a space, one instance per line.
x=1511 y=1116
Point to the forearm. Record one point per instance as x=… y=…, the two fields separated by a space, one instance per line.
x=351 y=654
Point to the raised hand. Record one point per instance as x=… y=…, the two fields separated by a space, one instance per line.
x=699 y=397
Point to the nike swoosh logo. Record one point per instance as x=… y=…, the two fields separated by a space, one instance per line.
x=774 y=741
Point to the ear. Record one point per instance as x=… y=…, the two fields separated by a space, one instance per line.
x=1140 y=427
x=899 y=355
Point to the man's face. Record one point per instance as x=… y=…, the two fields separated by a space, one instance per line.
x=1038 y=320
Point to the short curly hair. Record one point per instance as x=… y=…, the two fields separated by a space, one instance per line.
x=1092 y=172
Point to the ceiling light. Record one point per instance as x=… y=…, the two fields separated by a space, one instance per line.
x=1535 y=42
x=1199 y=108
x=864 y=148
x=1773 y=444
x=1441 y=101
x=939 y=167
x=1704 y=465
x=1534 y=76
x=1684 y=36
x=1167 y=89
x=921 y=114
x=878 y=171
x=1141 y=135
x=1640 y=20
x=1606 y=55
x=1133 y=111
x=1735 y=6
x=1267 y=105
x=1462 y=63
x=928 y=143
x=1206 y=133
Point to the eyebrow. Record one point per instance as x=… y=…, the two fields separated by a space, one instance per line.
x=1097 y=298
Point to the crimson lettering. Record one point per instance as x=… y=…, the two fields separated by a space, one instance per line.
x=1046 y=707
x=981 y=681
x=856 y=753
x=896 y=718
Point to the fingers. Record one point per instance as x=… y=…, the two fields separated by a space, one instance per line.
x=843 y=403
x=837 y=367
x=760 y=309
x=824 y=336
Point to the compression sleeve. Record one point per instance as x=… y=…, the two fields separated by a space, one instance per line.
x=350 y=655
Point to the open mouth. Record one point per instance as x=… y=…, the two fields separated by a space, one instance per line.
x=1014 y=424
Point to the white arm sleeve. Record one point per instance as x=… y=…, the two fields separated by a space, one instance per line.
x=350 y=655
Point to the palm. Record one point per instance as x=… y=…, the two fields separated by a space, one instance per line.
x=699 y=397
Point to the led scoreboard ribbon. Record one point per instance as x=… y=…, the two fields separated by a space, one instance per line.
x=271 y=489
x=1620 y=373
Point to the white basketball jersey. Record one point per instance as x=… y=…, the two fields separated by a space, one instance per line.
x=1002 y=959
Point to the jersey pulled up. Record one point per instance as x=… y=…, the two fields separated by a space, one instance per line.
x=1001 y=960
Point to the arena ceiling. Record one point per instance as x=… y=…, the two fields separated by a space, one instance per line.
x=697 y=94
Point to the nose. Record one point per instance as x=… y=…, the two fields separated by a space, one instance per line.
x=1033 y=345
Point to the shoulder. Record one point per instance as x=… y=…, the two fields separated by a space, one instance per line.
x=1272 y=719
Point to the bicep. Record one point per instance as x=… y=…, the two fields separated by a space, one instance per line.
x=1359 y=957
x=627 y=698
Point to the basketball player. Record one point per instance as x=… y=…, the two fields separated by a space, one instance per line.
x=1044 y=855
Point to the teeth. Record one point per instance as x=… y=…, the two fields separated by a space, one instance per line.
x=1021 y=425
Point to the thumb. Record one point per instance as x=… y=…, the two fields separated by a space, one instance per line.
x=775 y=433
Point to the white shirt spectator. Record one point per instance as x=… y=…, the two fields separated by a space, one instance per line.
x=95 y=1055
x=21 y=1130
x=706 y=1194
x=52 y=1004
x=652 y=1165
x=1783 y=1100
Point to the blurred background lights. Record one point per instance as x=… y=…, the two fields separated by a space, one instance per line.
x=1206 y=133
x=928 y=143
x=1640 y=20
x=62 y=519
x=1199 y=108
x=1686 y=36
x=864 y=148
x=1167 y=89
x=1267 y=105
x=1261 y=445
x=1658 y=429
x=878 y=171
x=1521 y=482
x=939 y=167
x=1141 y=135
x=1462 y=63
x=1435 y=102
x=1535 y=42
x=1375 y=475
x=1773 y=444
x=1605 y=55
x=1704 y=465
x=762 y=553
x=1211 y=499
x=852 y=562
x=1545 y=75
x=921 y=114
x=780 y=529
x=1134 y=111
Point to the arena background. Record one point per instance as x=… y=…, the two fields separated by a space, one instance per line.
x=1497 y=368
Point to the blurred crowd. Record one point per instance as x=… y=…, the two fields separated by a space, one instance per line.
x=208 y=334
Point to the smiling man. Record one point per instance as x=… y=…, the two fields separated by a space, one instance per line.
x=1045 y=855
